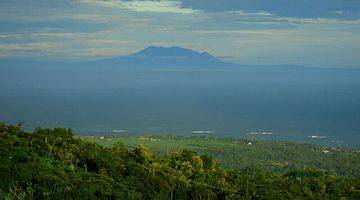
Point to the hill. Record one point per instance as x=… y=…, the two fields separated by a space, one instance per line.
x=153 y=56
x=149 y=58
x=54 y=164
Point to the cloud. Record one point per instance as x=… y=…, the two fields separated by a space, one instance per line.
x=160 y=6
x=266 y=17
x=284 y=8
x=248 y=13
x=66 y=17
x=93 y=29
x=47 y=35
x=294 y=20
x=242 y=32
x=339 y=12
x=30 y=46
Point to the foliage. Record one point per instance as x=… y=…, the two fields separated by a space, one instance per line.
x=54 y=164
x=270 y=156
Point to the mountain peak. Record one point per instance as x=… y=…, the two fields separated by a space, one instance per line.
x=158 y=51
x=169 y=56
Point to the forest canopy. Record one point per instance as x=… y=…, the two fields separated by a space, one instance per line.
x=55 y=164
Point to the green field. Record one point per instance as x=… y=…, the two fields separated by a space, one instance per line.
x=241 y=154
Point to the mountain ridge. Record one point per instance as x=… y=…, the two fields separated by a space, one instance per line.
x=168 y=56
x=169 y=51
x=151 y=57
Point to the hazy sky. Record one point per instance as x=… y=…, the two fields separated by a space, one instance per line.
x=322 y=33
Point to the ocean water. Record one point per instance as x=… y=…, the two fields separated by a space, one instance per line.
x=286 y=104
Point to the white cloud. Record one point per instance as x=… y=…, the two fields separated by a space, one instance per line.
x=339 y=12
x=96 y=18
x=30 y=46
x=161 y=6
x=294 y=20
x=262 y=17
x=243 y=32
x=246 y=13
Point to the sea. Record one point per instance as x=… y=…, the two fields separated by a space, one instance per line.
x=311 y=105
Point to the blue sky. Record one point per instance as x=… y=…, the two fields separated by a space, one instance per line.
x=319 y=33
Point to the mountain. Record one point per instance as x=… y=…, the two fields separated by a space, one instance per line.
x=152 y=57
x=166 y=57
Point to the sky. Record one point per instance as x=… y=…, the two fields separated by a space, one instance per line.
x=314 y=33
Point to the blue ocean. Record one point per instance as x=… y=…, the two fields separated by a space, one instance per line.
x=305 y=105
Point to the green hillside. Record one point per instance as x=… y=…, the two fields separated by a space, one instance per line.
x=53 y=164
x=271 y=156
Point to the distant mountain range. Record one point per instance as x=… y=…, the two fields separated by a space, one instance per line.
x=152 y=57
x=166 y=57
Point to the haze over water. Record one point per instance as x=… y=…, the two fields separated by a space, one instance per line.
x=293 y=104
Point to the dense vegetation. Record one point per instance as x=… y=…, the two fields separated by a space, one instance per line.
x=271 y=156
x=53 y=164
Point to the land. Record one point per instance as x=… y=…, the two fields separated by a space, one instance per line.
x=272 y=156
x=56 y=164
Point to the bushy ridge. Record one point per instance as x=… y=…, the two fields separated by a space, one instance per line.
x=54 y=164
